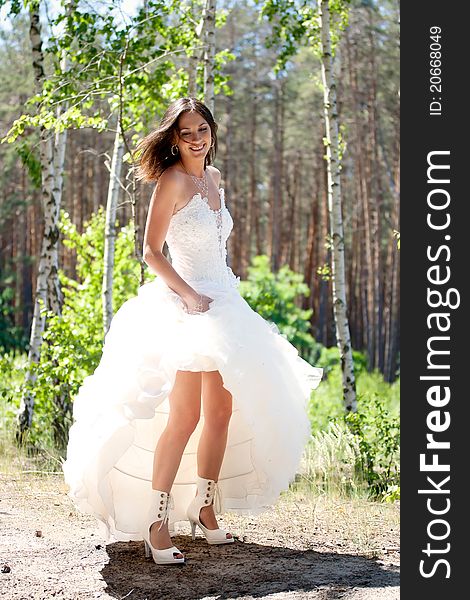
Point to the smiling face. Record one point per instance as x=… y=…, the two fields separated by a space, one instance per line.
x=194 y=136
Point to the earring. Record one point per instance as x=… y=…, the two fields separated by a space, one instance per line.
x=172 y=150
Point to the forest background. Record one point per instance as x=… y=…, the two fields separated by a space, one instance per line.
x=272 y=159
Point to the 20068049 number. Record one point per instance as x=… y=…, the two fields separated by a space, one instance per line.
x=435 y=81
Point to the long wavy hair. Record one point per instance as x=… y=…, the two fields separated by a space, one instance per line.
x=153 y=152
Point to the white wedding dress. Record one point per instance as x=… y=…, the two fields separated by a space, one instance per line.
x=122 y=408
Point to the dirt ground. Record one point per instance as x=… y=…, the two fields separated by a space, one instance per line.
x=305 y=547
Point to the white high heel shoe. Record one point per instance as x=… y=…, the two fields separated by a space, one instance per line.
x=159 y=510
x=206 y=490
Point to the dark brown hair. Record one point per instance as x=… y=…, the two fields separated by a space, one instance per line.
x=153 y=152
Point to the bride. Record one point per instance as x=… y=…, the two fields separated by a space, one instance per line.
x=211 y=397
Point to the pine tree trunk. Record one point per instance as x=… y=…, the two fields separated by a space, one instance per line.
x=110 y=229
x=253 y=207
x=394 y=325
x=192 y=74
x=276 y=207
x=343 y=337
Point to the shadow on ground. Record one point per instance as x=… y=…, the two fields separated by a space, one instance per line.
x=238 y=570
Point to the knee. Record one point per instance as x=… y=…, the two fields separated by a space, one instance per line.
x=218 y=419
x=183 y=425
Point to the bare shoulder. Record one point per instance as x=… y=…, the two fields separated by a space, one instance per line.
x=216 y=174
x=171 y=182
x=168 y=192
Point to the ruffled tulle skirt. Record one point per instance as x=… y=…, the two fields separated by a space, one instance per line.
x=122 y=408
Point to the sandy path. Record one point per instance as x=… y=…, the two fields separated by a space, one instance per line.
x=302 y=548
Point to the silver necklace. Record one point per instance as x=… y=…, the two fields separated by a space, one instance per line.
x=200 y=182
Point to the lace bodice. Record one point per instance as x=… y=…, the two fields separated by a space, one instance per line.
x=197 y=238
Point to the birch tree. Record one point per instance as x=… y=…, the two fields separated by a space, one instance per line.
x=115 y=169
x=202 y=48
x=290 y=30
x=56 y=114
x=209 y=53
x=47 y=294
x=333 y=165
x=196 y=54
x=125 y=66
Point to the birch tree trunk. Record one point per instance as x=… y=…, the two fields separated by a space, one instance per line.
x=343 y=337
x=47 y=294
x=209 y=53
x=196 y=56
x=110 y=229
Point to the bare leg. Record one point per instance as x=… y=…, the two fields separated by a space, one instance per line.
x=185 y=409
x=217 y=402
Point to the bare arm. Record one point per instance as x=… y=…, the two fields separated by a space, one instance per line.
x=161 y=208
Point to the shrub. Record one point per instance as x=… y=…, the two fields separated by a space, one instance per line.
x=329 y=357
x=378 y=433
x=274 y=296
x=373 y=429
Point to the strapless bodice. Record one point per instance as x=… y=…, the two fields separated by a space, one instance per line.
x=197 y=240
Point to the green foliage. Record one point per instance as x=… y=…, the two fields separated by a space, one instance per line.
x=326 y=402
x=392 y=494
x=330 y=357
x=396 y=235
x=296 y=23
x=274 y=296
x=289 y=27
x=30 y=159
x=372 y=435
x=15 y=5
x=11 y=336
x=220 y=78
x=132 y=65
x=72 y=342
x=378 y=433
x=12 y=366
x=324 y=272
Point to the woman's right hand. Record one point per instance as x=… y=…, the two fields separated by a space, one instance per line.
x=197 y=303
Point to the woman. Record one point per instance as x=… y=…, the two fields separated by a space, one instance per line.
x=139 y=444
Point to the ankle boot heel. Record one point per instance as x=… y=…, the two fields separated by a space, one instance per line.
x=193 y=530
x=207 y=489
x=159 y=510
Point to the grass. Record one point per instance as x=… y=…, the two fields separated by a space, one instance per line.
x=15 y=461
x=330 y=465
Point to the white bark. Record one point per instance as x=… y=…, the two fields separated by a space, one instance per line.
x=52 y=155
x=110 y=229
x=343 y=336
x=209 y=53
x=196 y=56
